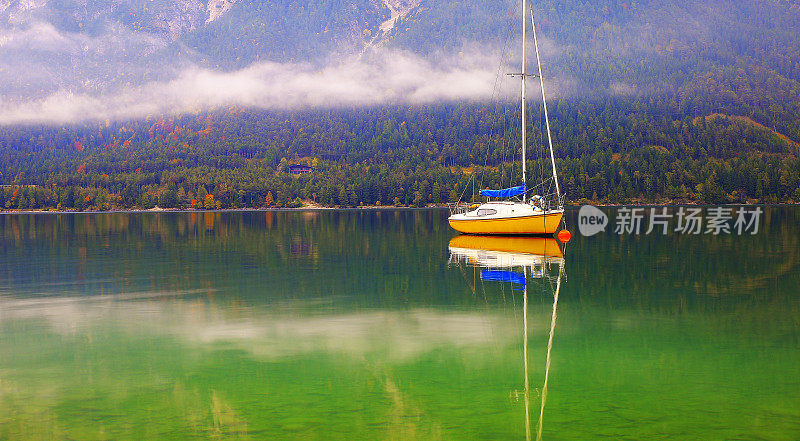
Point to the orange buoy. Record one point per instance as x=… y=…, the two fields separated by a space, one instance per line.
x=564 y=236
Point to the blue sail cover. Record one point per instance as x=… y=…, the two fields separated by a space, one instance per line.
x=503 y=276
x=504 y=193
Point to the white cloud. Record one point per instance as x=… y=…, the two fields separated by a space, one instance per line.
x=39 y=35
x=385 y=77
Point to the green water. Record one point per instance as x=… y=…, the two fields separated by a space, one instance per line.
x=359 y=325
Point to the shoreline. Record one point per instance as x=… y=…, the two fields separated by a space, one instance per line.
x=363 y=208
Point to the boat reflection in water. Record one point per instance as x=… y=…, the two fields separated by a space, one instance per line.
x=507 y=252
x=518 y=261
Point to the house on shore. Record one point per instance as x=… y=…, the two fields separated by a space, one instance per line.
x=299 y=169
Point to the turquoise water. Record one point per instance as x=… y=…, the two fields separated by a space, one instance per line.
x=364 y=325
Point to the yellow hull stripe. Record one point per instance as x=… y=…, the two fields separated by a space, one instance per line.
x=535 y=224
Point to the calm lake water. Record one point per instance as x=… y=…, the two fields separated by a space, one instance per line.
x=372 y=325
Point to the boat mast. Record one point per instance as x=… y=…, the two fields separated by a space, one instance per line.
x=544 y=101
x=524 y=137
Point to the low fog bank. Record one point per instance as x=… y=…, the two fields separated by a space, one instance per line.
x=384 y=77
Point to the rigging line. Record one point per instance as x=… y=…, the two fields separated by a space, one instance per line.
x=502 y=103
x=504 y=51
x=499 y=106
x=503 y=153
x=544 y=103
x=509 y=146
x=464 y=274
x=497 y=88
x=465 y=189
x=483 y=290
x=495 y=95
x=541 y=159
x=541 y=144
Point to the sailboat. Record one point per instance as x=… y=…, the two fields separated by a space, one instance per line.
x=514 y=212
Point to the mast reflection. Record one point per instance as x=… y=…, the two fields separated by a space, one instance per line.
x=518 y=260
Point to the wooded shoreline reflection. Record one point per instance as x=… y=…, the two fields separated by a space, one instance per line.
x=394 y=255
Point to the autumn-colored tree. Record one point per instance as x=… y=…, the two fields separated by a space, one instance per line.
x=269 y=201
x=102 y=201
x=209 y=202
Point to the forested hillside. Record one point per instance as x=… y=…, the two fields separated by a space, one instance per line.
x=654 y=101
x=611 y=150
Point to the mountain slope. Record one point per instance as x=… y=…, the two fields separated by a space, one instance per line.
x=255 y=30
x=600 y=46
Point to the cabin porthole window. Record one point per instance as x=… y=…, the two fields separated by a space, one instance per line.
x=486 y=212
